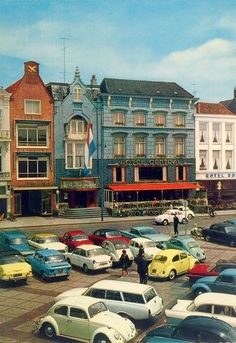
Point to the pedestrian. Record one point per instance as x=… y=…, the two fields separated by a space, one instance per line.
x=141 y=249
x=124 y=263
x=176 y=223
x=142 y=268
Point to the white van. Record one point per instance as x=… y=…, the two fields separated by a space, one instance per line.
x=129 y=299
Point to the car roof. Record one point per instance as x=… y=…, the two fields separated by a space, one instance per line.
x=184 y=238
x=88 y=246
x=115 y=241
x=48 y=252
x=75 y=232
x=13 y=233
x=171 y=252
x=214 y=298
x=9 y=252
x=141 y=239
x=205 y=322
x=142 y=227
x=79 y=300
x=123 y=286
x=229 y=271
x=107 y=230
x=45 y=235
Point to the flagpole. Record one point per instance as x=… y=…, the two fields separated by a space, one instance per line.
x=102 y=166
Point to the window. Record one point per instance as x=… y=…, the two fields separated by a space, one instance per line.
x=33 y=167
x=77 y=126
x=203 y=308
x=216 y=132
x=32 y=136
x=175 y=258
x=203 y=132
x=118 y=174
x=228 y=159
x=160 y=119
x=77 y=93
x=216 y=159
x=32 y=107
x=75 y=155
x=119 y=119
x=203 y=158
x=62 y=310
x=228 y=133
x=150 y=174
x=181 y=173
x=96 y=293
x=78 y=313
x=179 y=146
x=139 y=119
x=140 y=146
x=225 y=279
x=160 y=146
x=179 y=120
x=113 y=295
x=119 y=146
x=133 y=298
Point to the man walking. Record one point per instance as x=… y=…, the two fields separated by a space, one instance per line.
x=176 y=223
x=142 y=268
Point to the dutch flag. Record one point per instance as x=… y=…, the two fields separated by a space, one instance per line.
x=89 y=148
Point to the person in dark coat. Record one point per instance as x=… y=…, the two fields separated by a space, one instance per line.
x=124 y=263
x=176 y=223
x=142 y=268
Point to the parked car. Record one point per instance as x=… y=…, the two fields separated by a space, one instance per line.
x=114 y=247
x=98 y=236
x=146 y=232
x=189 y=213
x=217 y=305
x=203 y=269
x=16 y=240
x=47 y=241
x=225 y=282
x=221 y=232
x=168 y=217
x=49 y=263
x=169 y=263
x=150 y=249
x=129 y=299
x=87 y=320
x=186 y=243
x=74 y=239
x=89 y=257
x=231 y=221
x=13 y=266
x=193 y=329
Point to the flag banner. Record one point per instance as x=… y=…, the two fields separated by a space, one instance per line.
x=89 y=148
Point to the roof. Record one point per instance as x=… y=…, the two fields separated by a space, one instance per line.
x=12 y=88
x=212 y=108
x=153 y=186
x=215 y=299
x=230 y=271
x=122 y=286
x=79 y=300
x=141 y=239
x=170 y=252
x=45 y=235
x=202 y=321
x=88 y=246
x=76 y=232
x=48 y=252
x=184 y=238
x=143 y=88
x=14 y=233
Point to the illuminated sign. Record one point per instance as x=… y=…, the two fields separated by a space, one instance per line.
x=151 y=162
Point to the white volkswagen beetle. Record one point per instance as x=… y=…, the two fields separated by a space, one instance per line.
x=149 y=246
x=85 y=319
x=168 y=217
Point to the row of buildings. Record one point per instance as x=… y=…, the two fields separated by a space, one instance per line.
x=154 y=142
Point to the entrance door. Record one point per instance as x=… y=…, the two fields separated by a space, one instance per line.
x=91 y=199
x=18 y=210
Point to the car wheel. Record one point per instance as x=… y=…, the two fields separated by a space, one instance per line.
x=199 y=291
x=184 y=220
x=85 y=268
x=232 y=244
x=68 y=260
x=190 y=216
x=172 y=274
x=207 y=238
x=165 y=222
x=48 y=330
x=101 y=339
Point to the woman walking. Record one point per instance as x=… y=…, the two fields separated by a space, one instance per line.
x=124 y=263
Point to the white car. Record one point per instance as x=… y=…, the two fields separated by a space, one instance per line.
x=129 y=299
x=47 y=241
x=114 y=247
x=89 y=257
x=168 y=217
x=186 y=210
x=150 y=249
x=87 y=320
x=218 y=305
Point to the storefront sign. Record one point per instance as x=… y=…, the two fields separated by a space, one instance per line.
x=153 y=162
x=220 y=175
x=79 y=184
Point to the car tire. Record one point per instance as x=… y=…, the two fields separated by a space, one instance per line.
x=85 y=268
x=199 y=291
x=68 y=260
x=165 y=222
x=101 y=339
x=48 y=330
x=172 y=275
x=232 y=244
x=207 y=238
x=184 y=220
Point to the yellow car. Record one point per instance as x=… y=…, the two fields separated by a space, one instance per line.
x=13 y=267
x=169 y=263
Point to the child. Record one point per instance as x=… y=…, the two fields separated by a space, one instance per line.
x=124 y=263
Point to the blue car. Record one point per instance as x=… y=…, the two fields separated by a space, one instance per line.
x=225 y=282
x=147 y=232
x=49 y=263
x=16 y=240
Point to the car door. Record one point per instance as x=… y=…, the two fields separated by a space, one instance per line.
x=76 y=257
x=224 y=284
x=181 y=262
x=60 y=316
x=78 y=324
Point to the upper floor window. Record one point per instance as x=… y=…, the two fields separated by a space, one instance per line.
x=32 y=106
x=228 y=133
x=77 y=126
x=179 y=146
x=75 y=155
x=160 y=146
x=119 y=118
x=160 y=119
x=179 y=120
x=77 y=93
x=140 y=146
x=229 y=159
x=118 y=174
x=203 y=132
x=0 y=159
x=216 y=159
x=32 y=135
x=203 y=159
x=140 y=119
x=119 y=146
x=216 y=132
x=181 y=173
x=32 y=167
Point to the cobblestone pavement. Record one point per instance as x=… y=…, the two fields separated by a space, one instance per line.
x=21 y=305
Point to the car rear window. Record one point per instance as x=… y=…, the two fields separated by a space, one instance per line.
x=133 y=298
x=150 y=294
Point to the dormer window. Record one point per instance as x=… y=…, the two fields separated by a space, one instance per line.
x=77 y=93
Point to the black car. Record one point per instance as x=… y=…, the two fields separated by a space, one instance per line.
x=222 y=232
x=194 y=329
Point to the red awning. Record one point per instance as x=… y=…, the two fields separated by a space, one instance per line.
x=153 y=186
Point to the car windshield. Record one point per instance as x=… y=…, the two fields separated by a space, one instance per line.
x=78 y=238
x=95 y=252
x=150 y=294
x=96 y=308
x=160 y=258
x=149 y=244
x=18 y=241
x=55 y=259
x=192 y=245
x=120 y=245
x=148 y=231
x=11 y=259
x=51 y=239
x=232 y=335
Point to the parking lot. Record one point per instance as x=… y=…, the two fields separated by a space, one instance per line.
x=21 y=305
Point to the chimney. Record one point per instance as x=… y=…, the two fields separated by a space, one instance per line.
x=93 y=81
x=31 y=67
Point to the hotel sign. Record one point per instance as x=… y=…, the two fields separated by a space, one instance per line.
x=220 y=175
x=149 y=162
x=79 y=184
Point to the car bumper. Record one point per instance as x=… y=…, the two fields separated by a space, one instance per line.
x=15 y=278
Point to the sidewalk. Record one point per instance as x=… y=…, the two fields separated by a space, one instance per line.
x=23 y=222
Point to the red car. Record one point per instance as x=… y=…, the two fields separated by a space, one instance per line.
x=100 y=235
x=75 y=238
x=202 y=269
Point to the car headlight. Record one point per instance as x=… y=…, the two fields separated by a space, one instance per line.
x=66 y=249
x=117 y=335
